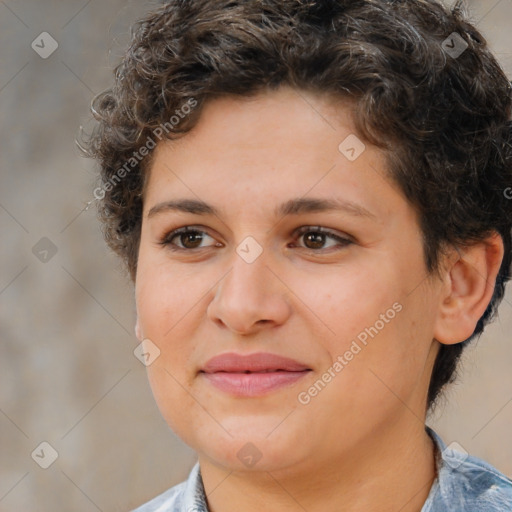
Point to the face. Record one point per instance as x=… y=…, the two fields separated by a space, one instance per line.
x=279 y=247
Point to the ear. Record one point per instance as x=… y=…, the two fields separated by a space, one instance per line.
x=138 y=330
x=469 y=279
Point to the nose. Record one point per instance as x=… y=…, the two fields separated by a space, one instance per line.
x=249 y=298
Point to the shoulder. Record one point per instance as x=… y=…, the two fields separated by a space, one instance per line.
x=187 y=495
x=466 y=483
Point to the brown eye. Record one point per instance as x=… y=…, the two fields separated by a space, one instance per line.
x=184 y=239
x=190 y=239
x=315 y=238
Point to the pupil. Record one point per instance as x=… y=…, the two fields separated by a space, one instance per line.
x=193 y=237
x=317 y=239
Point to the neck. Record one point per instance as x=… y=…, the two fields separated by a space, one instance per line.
x=389 y=472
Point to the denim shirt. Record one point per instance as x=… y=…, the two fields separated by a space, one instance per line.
x=463 y=484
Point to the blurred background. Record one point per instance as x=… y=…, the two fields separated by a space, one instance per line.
x=68 y=375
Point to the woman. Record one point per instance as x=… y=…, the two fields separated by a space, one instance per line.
x=311 y=200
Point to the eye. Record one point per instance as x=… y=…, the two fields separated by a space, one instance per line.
x=186 y=238
x=315 y=238
x=189 y=238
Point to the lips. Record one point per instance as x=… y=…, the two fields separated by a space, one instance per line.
x=259 y=362
x=252 y=375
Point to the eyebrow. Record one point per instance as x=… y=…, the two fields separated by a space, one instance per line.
x=291 y=207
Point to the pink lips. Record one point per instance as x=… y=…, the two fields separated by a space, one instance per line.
x=253 y=374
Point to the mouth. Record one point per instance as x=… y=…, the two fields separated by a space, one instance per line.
x=252 y=375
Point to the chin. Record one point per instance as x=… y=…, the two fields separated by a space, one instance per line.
x=254 y=445
x=239 y=455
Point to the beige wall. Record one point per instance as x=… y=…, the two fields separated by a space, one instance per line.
x=68 y=375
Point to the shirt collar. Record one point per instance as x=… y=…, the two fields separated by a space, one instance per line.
x=194 y=497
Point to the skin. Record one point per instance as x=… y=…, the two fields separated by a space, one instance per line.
x=360 y=443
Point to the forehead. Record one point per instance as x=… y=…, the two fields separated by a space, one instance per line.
x=271 y=148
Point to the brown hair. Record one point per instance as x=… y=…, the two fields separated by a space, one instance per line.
x=443 y=119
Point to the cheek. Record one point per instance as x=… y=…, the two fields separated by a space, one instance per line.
x=166 y=295
x=351 y=301
x=378 y=327
x=168 y=305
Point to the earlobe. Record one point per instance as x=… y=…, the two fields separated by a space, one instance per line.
x=469 y=286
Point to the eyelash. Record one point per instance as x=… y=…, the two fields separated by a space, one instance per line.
x=166 y=240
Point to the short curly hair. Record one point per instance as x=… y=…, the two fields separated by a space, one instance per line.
x=426 y=88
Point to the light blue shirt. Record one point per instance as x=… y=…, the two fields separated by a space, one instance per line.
x=463 y=484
